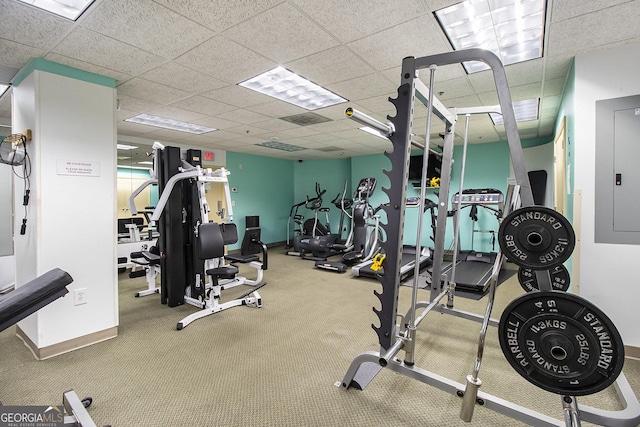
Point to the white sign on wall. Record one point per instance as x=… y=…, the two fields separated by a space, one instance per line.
x=77 y=168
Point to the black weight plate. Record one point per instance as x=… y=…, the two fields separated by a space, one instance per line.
x=536 y=237
x=561 y=343
x=560 y=279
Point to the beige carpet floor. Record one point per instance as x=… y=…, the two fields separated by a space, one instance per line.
x=277 y=365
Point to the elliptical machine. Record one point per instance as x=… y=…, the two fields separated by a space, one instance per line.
x=365 y=230
x=311 y=227
x=323 y=247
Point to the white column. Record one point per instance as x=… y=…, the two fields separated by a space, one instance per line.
x=71 y=216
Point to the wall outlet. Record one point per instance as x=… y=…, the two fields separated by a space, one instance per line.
x=80 y=296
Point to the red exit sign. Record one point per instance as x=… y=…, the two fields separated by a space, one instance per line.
x=208 y=156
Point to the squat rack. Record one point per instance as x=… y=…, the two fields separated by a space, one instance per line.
x=392 y=337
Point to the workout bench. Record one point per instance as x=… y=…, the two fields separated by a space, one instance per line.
x=26 y=300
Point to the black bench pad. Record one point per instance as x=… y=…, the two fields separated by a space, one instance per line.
x=32 y=296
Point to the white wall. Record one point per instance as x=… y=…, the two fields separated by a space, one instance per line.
x=536 y=158
x=608 y=272
x=7 y=272
x=72 y=218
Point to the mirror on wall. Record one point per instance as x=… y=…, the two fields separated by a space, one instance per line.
x=6 y=203
x=135 y=163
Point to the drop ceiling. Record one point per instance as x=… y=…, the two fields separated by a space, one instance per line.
x=182 y=59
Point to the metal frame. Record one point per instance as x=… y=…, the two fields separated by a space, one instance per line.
x=392 y=337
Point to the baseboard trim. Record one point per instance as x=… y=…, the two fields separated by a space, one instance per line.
x=65 y=346
x=632 y=352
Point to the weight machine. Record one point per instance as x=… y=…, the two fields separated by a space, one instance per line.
x=188 y=276
x=534 y=237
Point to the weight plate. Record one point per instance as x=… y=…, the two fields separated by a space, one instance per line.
x=561 y=343
x=536 y=237
x=560 y=279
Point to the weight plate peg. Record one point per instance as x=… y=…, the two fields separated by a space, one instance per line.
x=560 y=279
x=536 y=237
x=561 y=343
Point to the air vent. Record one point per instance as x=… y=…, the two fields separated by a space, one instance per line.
x=306 y=119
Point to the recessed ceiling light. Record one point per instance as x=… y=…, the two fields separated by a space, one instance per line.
x=162 y=122
x=146 y=162
x=125 y=147
x=512 y=29
x=524 y=110
x=280 y=146
x=287 y=86
x=70 y=9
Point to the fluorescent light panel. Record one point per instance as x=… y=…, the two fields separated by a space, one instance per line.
x=512 y=29
x=524 y=110
x=125 y=147
x=70 y=9
x=280 y=146
x=162 y=122
x=287 y=86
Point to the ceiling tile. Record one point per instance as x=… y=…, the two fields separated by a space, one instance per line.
x=291 y=34
x=387 y=48
x=137 y=105
x=175 y=113
x=364 y=87
x=30 y=26
x=226 y=60
x=587 y=32
x=558 y=66
x=372 y=16
x=218 y=15
x=330 y=66
x=248 y=130
x=554 y=86
x=16 y=55
x=180 y=77
x=562 y=10
x=94 y=48
x=203 y=105
x=96 y=69
x=152 y=91
x=243 y=116
x=237 y=96
x=276 y=108
x=168 y=34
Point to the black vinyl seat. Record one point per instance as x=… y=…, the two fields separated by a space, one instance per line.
x=212 y=238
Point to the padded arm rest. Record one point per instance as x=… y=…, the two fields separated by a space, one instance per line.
x=151 y=257
x=32 y=296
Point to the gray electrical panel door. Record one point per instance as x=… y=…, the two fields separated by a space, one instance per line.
x=617 y=210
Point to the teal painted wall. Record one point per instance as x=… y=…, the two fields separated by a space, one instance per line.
x=265 y=187
x=268 y=187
